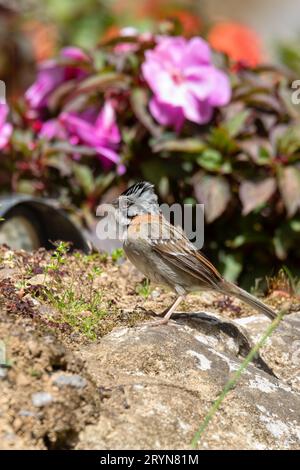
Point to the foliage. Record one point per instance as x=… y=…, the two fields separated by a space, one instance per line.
x=244 y=164
x=144 y=288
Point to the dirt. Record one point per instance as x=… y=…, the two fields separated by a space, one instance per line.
x=52 y=306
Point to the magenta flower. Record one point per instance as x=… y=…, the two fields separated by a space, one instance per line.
x=5 y=127
x=184 y=81
x=53 y=129
x=98 y=131
x=51 y=74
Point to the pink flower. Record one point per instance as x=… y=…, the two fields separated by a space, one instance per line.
x=51 y=74
x=184 y=81
x=52 y=129
x=5 y=127
x=98 y=131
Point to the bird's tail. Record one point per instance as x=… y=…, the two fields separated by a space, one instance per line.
x=232 y=289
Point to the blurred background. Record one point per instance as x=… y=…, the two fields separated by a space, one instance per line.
x=246 y=162
x=32 y=31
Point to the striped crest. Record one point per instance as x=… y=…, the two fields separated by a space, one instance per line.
x=139 y=189
x=141 y=199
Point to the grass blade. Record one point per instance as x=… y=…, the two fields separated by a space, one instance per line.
x=234 y=379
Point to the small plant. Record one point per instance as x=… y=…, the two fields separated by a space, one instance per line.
x=117 y=254
x=144 y=289
x=58 y=258
x=81 y=314
x=284 y=282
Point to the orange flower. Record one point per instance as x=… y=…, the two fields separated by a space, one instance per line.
x=190 y=22
x=239 y=42
x=43 y=37
x=111 y=32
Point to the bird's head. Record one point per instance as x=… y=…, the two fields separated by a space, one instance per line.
x=137 y=200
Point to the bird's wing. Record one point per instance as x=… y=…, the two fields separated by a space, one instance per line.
x=182 y=254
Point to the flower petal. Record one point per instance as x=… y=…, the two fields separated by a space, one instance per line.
x=110 y=154
x=166 y=114
x=52 y=129
x=159 y=79
x=5 y=133
x=197 y=51
x=222 y=89
x=74 y=53
x=197 y=111
x=105 y=125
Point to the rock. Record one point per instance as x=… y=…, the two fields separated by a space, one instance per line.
x=157 y=385
x=282 y=349
x=41 y=399
x=7 y=273
x=28 y=413
x=39 y=279
x=64 y=380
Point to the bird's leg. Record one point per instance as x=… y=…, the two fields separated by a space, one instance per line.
x=168 y=315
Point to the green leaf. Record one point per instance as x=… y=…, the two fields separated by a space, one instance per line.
x=236 y=123
x=220 y=139
x=213 y=192
x=281 y=244
x=289 y=184
x=180 y=145
x=210 y=160
x=59 y=94
x=100 y=82
x=295 y=225
x=258 y=149
x=68 y=148
x=61 y=162
x=263 y=156
x=265 y=101
x=256 y=193
x=247 y=238
x=26 y=187
x=84 y=177
x=157 y=168
x=232 y=265
x=289 y=142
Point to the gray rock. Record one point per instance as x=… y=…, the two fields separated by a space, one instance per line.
x=159 y=383
x=282 y=349
x=28 y=413
x=41 y=399
x=64 y=380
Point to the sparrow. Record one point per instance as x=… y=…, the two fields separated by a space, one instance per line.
x=165 y=255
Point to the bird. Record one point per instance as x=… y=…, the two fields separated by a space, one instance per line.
x=163 y=253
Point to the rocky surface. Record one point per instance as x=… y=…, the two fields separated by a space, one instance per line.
x=46 y=396
x=157 y=385
x=282 y=349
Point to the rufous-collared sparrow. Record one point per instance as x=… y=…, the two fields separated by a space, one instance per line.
x=164 y=254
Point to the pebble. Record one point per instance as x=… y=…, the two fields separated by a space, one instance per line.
x=155 y=294
x=3 y=373
x=40 y=399
x=74 y=380
x=28 y=413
